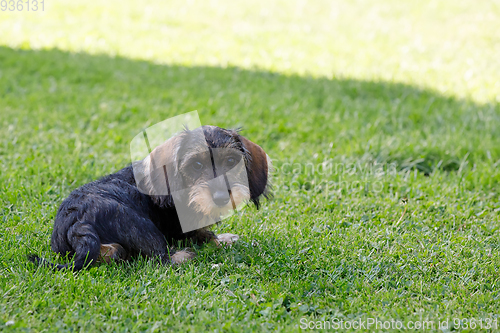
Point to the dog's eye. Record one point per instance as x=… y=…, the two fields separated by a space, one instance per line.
x=230 y=161
x=197 y=165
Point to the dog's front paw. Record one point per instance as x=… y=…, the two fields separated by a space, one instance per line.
x=182 y=256
x=227 y=239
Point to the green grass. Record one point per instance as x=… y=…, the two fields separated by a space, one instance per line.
x=400 y=98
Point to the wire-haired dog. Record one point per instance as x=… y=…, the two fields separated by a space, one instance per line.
x=189 y=182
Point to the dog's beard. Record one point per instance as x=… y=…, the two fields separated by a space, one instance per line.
x=200 y=200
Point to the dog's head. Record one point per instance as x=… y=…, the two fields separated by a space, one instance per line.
x=213 y=171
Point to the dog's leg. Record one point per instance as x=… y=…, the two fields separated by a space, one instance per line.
x=200 y=236
x=143 y=237
x=85 y=243
x=137 y=235
x=204 y=235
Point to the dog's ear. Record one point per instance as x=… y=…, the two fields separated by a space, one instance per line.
x=257 y=168
x=161 y=172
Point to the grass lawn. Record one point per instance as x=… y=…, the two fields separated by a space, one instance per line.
x=382 y=118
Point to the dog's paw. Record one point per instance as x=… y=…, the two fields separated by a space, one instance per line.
x=227 y=239
x=111 y=252
x=182 y=256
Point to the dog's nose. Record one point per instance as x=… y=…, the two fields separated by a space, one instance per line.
x=221 y=198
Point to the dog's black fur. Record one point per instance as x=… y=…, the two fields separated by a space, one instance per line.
x=112 y=210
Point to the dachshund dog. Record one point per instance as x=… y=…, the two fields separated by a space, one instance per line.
x=184 y=185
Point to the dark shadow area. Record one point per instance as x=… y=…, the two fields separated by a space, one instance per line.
x=94 y=104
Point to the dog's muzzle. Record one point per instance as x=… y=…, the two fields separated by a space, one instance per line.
x=221 y=197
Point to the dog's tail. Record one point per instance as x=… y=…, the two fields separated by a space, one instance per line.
x=44 y=262
x=77 y=265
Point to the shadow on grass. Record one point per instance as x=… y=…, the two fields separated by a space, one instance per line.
x=97 y=103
